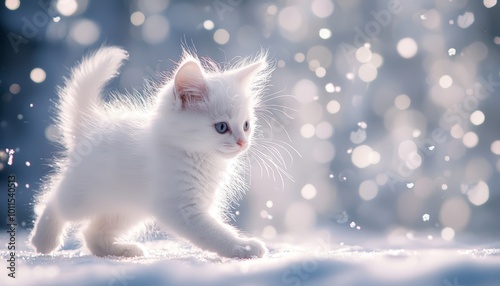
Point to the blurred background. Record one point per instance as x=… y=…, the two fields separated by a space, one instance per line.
x=394 y=112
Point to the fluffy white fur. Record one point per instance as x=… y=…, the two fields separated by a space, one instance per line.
x=160 y=156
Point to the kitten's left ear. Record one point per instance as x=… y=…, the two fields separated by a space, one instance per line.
x=190 y=86
x=246 y=74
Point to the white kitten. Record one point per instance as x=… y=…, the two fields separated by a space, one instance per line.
x=174 y=156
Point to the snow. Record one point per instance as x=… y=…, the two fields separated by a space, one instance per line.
x=174 y=262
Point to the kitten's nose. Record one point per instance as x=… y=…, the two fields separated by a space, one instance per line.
x=241 y=143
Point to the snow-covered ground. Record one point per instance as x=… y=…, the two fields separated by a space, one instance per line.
x=173 y=262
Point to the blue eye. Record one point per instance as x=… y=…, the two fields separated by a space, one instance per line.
x=221 y=127
x=246 y=125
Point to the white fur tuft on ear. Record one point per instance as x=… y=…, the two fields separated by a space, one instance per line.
x=190 y=85
x=247 y=73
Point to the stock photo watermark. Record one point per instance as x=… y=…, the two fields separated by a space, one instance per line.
x=300 y=272
x=11 y=224
x=381 y=19
x=447 y=282
x=223 y=6
x=120 y=277
x=457 y=114
x=32 y=27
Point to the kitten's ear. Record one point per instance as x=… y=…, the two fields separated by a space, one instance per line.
x=190 y=86
x=247 y=74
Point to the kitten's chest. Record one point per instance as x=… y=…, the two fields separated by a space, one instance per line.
x=208 y=176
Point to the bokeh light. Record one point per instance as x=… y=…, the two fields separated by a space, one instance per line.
x=67 y=7
x=407 y=48
x=137 y=18
x=155 y=29
x=85 y=32
x=38 y=75
x=12 y=4
x=322 y=8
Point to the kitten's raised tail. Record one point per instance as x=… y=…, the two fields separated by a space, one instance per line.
x=80 y=99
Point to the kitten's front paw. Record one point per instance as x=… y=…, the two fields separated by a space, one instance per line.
x=119 y=249
x=249 y=248
x=128 y=250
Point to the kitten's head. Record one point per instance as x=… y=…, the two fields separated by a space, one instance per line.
x=217 y=107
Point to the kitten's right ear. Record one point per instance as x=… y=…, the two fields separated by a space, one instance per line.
x=190 y=86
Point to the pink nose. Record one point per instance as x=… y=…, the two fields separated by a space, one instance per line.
x=241 y=143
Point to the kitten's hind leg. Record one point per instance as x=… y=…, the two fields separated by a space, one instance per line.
x=101 y=235
x=49 y=229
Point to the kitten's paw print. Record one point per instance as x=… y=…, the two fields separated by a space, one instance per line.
x=249 y=248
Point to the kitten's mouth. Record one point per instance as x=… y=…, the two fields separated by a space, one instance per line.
x=232 y=153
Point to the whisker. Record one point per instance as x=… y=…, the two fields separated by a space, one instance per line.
x=282 y=127
x=275 y=152
x=269 y=170
x=269 y=98
x=277 y=142
x=261 y=170
x=279 y=108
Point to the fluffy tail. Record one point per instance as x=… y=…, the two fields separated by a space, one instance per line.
x=80 y=99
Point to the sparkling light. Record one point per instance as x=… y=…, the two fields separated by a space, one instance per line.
x=290 y=18
x=272 y=9
x=464 y=21
x=445 y=81
x=307 y=130
x=489 y=3
x=52 y=133
x=448 y=233
x=478 y=194
x=208 y=25
x=12 y=4
x=308 y=192
x=402 y=101
x=333 y=106
x=155 y=29
x=495 y=147
x=368 y=190
x=38 y=75
x=470 y=139
x=320 y=72
x=363 y=54
x=322 y=8
x=85 y=32
x=14 y=88
x=325 y=33
x=329 y=87
x=137 y=18
x=299 y=57
x=407 y=48
x=269 y=232
x=67 y=7
x=367 y=72
x=457 y=131
x=305 y=90
x=426 y=217
x=377 y=60
x=362 y=156
x=477 y=117
x=324 y=130
x=221 y=36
